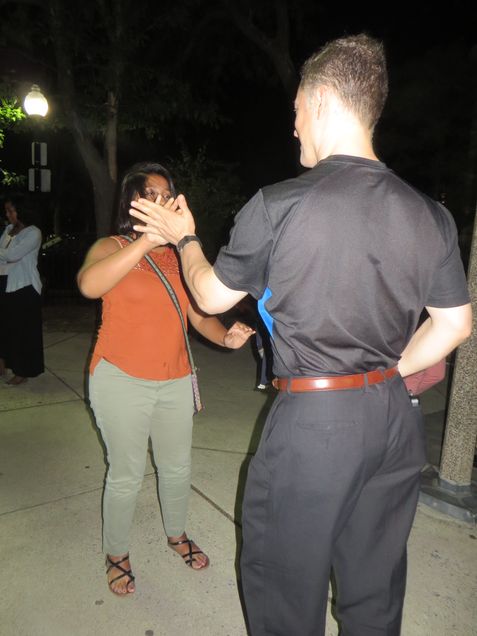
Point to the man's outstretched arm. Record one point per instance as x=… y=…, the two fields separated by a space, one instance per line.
x=210 y=294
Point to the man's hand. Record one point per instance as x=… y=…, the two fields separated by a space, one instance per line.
x=444 y=330
x=170 y=222
x=237 y=335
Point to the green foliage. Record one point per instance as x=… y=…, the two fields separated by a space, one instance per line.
x=109 y=67
x=11 y=179
x=126 y=48
x=121 y=47
x=212 y=190
x=10 y=114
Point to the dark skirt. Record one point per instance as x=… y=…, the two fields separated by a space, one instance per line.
x=21 y=336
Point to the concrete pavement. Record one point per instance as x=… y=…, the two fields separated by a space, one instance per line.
x=51 y=477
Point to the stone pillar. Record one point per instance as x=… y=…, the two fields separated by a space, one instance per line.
x=461 y=426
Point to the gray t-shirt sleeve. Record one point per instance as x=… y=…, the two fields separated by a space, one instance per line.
x=449 y=284
x=242 y=265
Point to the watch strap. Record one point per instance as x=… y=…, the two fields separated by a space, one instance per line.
x=187 y=239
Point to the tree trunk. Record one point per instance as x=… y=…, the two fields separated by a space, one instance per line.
x=115 y=31
x=111 y=137
x=98 y=170
x=97 y=167
x=461 y=426
x=103 y=203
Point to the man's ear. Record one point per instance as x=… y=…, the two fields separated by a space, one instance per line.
x=319 y=100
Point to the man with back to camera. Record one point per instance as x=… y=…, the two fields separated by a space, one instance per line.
x=344 y=258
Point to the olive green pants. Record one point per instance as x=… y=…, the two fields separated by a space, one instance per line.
x=128 y=412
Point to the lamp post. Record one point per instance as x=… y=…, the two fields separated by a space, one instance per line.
x=39 y=177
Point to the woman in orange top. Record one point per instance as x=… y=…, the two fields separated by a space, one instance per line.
x=140 y=384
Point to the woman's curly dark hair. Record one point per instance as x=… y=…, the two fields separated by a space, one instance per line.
x=134 y=184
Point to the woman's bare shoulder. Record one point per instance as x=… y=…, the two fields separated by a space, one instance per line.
x=102 y=248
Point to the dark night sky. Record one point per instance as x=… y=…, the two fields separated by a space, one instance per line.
x=406 y=28
x=258 y=137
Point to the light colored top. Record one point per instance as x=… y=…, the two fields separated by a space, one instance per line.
x=141 y=332
x=20 y=257
x=5 y=239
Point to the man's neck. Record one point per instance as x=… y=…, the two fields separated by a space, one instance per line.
x=348 y=139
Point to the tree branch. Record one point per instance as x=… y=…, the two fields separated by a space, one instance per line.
x=277 y=49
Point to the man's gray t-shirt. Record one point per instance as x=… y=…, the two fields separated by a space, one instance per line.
x=343 y=259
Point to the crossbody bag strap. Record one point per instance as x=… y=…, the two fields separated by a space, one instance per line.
x=174 y=299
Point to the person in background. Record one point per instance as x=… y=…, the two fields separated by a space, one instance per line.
x=247 y=310
x=264 y=350
x=345 y=256
x=21 y=336
x=140 y=375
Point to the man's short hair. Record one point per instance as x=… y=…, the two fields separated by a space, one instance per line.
x=355 y=68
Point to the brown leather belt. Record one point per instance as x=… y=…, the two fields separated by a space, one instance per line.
x=333 y=383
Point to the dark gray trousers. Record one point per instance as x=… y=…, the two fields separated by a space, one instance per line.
x=333 y=486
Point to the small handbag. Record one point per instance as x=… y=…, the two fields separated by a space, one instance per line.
x=198 y=405
x=417 y=383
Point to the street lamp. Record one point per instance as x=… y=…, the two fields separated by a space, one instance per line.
x=35 y=102
x=39 y=177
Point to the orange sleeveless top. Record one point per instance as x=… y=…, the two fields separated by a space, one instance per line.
x=140 y=329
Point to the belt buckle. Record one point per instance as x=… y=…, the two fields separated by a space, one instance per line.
x=322 y=383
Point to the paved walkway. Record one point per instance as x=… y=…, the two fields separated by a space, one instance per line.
x=51 y=477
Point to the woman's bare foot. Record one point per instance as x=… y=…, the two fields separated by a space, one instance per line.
x=17 y=379
x=189 y=551
x=120 y=576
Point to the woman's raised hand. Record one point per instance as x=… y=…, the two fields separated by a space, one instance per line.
x=167 y=222
x=237 y=335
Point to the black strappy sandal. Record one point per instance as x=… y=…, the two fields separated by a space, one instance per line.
x=117 y=564
x=189 y=556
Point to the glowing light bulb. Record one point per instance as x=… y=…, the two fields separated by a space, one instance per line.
x=35 y=102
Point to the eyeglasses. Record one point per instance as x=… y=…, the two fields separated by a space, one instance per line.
x=152 y=193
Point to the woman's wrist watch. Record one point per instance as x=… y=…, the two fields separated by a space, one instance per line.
x=187 y=239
